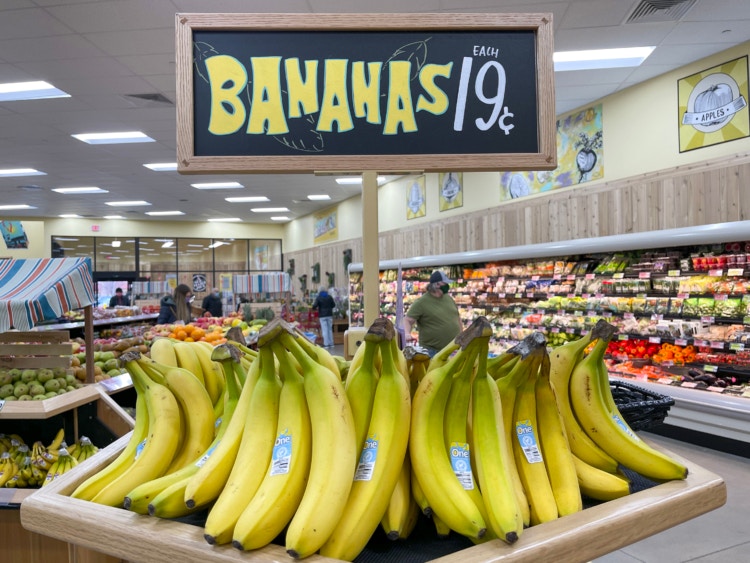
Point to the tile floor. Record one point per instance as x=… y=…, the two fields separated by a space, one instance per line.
x=720 y=536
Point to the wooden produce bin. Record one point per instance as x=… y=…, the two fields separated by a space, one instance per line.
x=580 y=537
x=340 y=327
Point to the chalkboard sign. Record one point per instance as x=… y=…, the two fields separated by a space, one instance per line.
x=384 y=92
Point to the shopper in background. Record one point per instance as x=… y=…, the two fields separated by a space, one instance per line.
x=118 y=299
x=435 y=314
x=325 y=305
x=212 y=304
x=243 y=300
x=176 y=307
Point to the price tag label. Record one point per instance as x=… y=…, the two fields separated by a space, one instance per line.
x=680 y=342
x=591 y=313
x=530 y=295
x=657 y=317
x=460 y=280
x=570 y=330
x=519 y=295
x=473 y=294
x=599 y=295
x=496 y=309
x=746 y=298
x=607 y=314
x=683 y=296
x=501 y=295
x=654 y=340
x=622 y=337
x=590 y=276
x=501 y=279
x=642 y=295
x=555 y=329
x=628 y=316
x=571 y=277
x=2 y=404
x=689 y=384
x=586 y=295
x=577 y=313
x=700 y=342
x=735 y=272
x=618 y=276
x=571 y=295
x=665 y=380
x=487 y=280
x=557 y=277
x=667 y=363
x=715 y=389
x=517 y=310
x=560 y=312
x=708 y=320
x=644 y=275
x=710 y=368
x=716 y=273
x=534 y=278
x=720 y=296
x=673 y=273
x=737 y=346
x=717 y=345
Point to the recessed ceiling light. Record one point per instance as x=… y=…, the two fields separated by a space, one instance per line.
x=247 y=199
x=70 y=216
x=113 y=138
x=161 y=166
x=600 y=58
x=135 y=203
x=9 y=172
x=114 y=217
x=84 y=190
x=36 y=90
x=280 y=218
x=355 y=180
x=225 y=220
x=318 y=197
x=269 y=209
x=116 y=243
x=164 y=213
x=218 y=186
x=168 y=244
x=20 y=206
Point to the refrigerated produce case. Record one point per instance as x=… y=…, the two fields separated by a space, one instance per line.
x=687 y=287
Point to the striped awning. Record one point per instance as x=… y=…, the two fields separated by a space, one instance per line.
x=32 y=291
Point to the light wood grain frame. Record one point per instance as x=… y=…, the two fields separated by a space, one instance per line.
x=540 y=23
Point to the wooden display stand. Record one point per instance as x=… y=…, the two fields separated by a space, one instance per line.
x=340 y=327
x=580 y=537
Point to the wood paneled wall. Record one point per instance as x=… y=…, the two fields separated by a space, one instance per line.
x=715 y=191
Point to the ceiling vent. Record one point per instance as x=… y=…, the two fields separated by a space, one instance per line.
x=148 y=100
x=30 y=188
x=647 y=11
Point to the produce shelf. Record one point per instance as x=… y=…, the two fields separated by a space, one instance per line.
x=49 y=407
x=98 y=322
x=595 y=531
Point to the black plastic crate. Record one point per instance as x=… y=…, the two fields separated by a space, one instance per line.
x=641 y=409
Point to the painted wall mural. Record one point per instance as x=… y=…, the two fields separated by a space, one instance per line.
x=580 y=157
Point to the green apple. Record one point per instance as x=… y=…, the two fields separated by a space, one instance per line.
x=37 y=389
x=39 y=397
x=50 y=395
x=60 y=371
x=15 y=373
x=52 y=385
x=20 y=389
x=25 y=398
x=28 y=375
x=6 y=390
x=5 y=377
x=45 y=375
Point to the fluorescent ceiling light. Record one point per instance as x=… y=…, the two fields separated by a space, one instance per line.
x=218 y=186
x=114 y=217
x=135 y=203
x=355 y=180
x=113 y=138
x=161 y=166
x=601 y=58
x=269 y=209
x=168 y=244
x=318 y=197
x=280 y=218
x=20 y=206
x=56 y=239
x=217 y=244
x=225 y=220
x=116 y=243
x=113 y=257
x=9 y=172
x=247 y=199
x=85 y=190
x=164 y=213
x=196 y=245
x=37 y=90
x=70 y=216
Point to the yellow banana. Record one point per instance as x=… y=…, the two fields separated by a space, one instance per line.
x=443 y=356
x=446 y=496
x=280 y=493
x=360 y=386
x=418 y=493
x=213 y=374
x=417 y=360
x=196 y=408
x=8 y=468
x=563 y=360
x=441 y=528
x=499 y=366
x=554 y=445
x=253 y=455
x=491 y=453
x=206 y=485
x=58 y=440
x=401 y=515
x=162 y=351
x=334 y=455
x=379 y=464
x=161 y=444
x=589 y=383
x=91 y=486
x=187 y=359
x=529 y=460
x=598 y=484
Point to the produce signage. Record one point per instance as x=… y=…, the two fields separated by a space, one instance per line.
x=380 y=92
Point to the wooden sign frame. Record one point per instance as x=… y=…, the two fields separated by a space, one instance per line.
x=540 y=23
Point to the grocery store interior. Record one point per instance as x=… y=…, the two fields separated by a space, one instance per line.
x=643 y=223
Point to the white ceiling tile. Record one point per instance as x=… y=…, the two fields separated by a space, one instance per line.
x=606 y=76
x=602 y=13
x=140 y=42
x=690 y=33
x=360 y=6
x=151 y=65
x=243 y=6
x=30 y=23
x=718 y=10
x=47 y=48
x=74 y=69
x=115 y=15
x=11 y=73
x=611 y=37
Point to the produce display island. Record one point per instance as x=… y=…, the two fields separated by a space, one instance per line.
x=580 y=537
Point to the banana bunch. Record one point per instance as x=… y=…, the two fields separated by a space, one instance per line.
x=43 y=457
x=25 y=476
x=599 y=437
x=64 y=463
x=83 y=449
x=8 y=468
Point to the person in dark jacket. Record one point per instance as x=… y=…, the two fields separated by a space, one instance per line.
x=119 y=299
x=212 y=303
x=176 y=307
x=325 y=304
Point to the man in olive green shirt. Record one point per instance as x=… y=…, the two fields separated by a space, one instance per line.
x=435 y=314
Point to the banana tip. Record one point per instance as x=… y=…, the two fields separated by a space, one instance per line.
x=238 y=545
x=190 y=503
x=292 y=553
x=393 y=535
x=126 y=503
x=481 y=533
x=511 y=537
x=151 y=509
x=209 y=539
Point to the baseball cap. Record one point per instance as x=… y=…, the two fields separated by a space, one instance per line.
x=438 y=276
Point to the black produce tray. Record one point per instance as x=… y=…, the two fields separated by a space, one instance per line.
x=642 y=409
